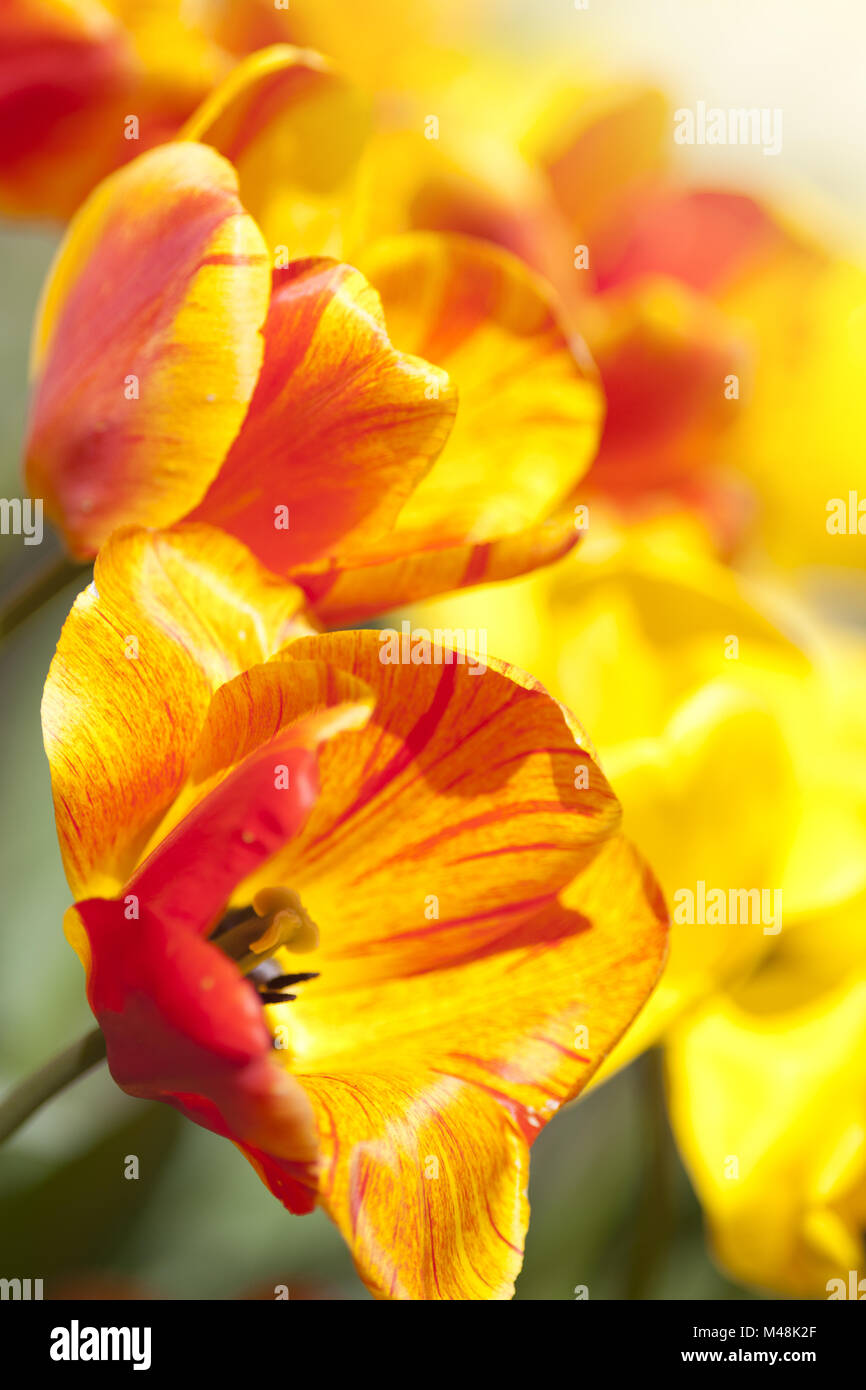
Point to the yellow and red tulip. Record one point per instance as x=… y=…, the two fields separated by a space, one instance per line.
x=180 y=375
x=484 y=932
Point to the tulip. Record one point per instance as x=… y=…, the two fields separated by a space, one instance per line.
x=180 y=375
x=374 y=923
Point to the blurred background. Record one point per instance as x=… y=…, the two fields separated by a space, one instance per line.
x=612 y=1206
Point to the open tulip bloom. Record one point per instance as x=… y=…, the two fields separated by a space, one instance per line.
x=374 y=922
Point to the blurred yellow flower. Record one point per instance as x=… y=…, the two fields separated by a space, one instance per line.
x=767 y=1086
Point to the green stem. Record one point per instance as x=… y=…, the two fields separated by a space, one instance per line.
x=43 y=586
x=67 y=1066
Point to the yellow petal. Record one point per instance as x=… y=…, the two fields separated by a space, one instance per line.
x=293 y=128
x=167 y=620
x=426 y=1178
x=429 y=1088
x=530 y=405
x=802 y=439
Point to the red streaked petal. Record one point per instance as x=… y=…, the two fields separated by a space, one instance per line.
x=403 y=573
x=142 y=379
x=341 y=427
x=460 y=786
x=426 y=1178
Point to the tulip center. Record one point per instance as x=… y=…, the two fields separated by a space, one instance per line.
x=280 y=922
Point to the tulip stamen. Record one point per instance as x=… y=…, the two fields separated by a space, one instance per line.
x=285 y=981
x=281 y=922
x=271 y=985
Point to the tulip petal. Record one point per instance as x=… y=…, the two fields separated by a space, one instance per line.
x=465 y=791
x=526 y=431
x=147 y=347
x=672 y=789
x=149 y=641
x=701 y=237
x=193 y=871
x=665 y=356
x=802 y=442
x=86 y=86
x=342 y=596
x=252 y=709
x=293 y=128
x=181 y=1024
x=507 y=1017
x=601 y=146
x=426 y=1178
x=429 y=1089
x=530 y=405
x=769 y=1111
x=341 y=427
x=472 y=186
